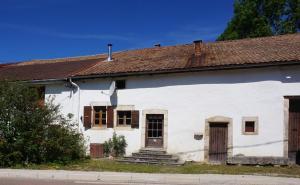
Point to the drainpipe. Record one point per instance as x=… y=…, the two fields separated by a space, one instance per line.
x=78 y=108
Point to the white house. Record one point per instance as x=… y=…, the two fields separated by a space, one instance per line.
x=235 y=101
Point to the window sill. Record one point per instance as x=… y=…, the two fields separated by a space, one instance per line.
x=99 y=128
x=123 y=128
x=250 y=133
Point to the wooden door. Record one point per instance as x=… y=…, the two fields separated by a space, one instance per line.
x=154 y=130
x=96 y=150
x=294 y=131
x=218 y=142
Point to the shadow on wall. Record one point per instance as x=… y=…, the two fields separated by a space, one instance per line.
x=279 y=74
x=114 y=99
x=218 y=77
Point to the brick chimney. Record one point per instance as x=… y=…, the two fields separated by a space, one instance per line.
x=157 y=45
x=198 y=47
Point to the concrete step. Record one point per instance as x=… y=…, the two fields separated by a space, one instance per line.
x=152 y=151
x=151 y=162
x=152 y=156
x=154 y=159
x=159 y=155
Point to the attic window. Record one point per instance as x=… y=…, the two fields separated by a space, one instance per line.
x=120 y=84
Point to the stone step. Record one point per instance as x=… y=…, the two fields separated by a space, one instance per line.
x=151 y=162
x=152 y=156
x=159 y=155
x=154 y=159
x=152 y=151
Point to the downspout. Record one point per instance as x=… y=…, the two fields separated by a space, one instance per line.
x=78 y=108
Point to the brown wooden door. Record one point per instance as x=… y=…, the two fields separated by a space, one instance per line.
x=96 y=150
x=154 y=130
x=294 y=131
x=218 y=142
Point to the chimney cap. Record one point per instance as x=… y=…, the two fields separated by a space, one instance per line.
x=157 y=45
x=197 y=41
x=109 y=44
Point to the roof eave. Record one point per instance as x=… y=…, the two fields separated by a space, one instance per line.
x=183 y=70
x=168 y=71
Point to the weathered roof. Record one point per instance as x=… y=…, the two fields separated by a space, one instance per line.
x=45 y=71
x=275 y=50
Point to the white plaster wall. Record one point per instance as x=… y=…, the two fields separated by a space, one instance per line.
x=190 y=99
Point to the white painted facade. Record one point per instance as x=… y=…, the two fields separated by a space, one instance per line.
x=187 y=100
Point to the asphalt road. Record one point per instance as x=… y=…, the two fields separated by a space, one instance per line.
x=28 y=181
x=25 y=181
x=62 y=177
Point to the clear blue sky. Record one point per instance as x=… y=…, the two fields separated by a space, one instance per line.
x=38 y=29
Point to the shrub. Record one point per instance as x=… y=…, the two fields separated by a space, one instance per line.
x=31 y=133
x=115 y=146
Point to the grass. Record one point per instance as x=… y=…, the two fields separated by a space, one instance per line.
x=191 y=168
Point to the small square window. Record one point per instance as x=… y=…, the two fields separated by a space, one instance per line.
x=120 y=84
x=124 y=118
x=250 y=126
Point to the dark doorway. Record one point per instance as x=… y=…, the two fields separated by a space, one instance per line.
x=294 y=130
x=154 y=130
x=218 y=139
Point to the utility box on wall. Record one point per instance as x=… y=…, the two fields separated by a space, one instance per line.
x=198 y=136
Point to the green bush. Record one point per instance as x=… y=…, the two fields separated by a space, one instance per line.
x=31 y=133
x=115 y=146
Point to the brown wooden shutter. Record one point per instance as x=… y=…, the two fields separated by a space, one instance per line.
x=110 y=117
x=96 y=150
x=135 y=119
x=87 y=114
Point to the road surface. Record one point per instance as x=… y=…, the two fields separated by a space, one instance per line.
x=61 y=177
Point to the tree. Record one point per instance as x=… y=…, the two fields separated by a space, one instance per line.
x=258 y=18
x=31 y=133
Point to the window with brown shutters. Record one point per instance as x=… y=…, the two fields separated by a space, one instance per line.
x=124 y=118
x=99 y=116
x=135 y=119
x=87 y=114
x=110 y=117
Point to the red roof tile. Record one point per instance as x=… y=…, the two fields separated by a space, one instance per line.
x=47 y=70
x=275 y=50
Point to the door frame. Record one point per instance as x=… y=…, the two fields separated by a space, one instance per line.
x=216 y=120
x=286 y=106
x=146 y=132
x=217 y=125
x=165 y=129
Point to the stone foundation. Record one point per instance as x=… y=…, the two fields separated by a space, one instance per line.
x=258 y=160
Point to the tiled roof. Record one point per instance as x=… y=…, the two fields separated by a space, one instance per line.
x=226 y=53
x=275 y=50
x=47 y=70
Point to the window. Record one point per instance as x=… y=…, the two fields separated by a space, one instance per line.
x=120 y=84
x=124 y=118
x=41 y=95
x=155 y=125
x=250 y=126
x=100 y=113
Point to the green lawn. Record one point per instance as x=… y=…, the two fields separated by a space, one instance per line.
x=191 y=168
